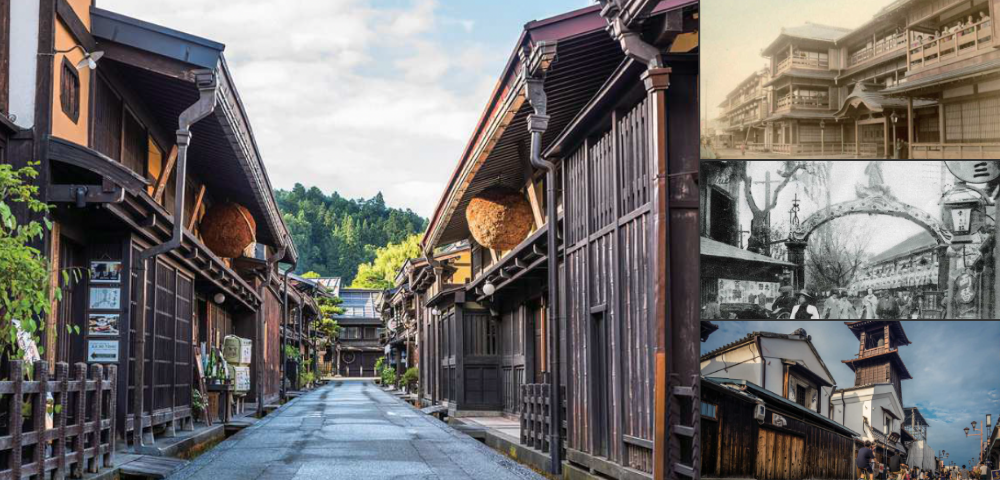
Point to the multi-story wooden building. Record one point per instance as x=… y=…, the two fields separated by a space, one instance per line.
x=745 y=110
x=585 y=128
x=143 y=152
x=803 y=72
x=358 y=346
x=953 y=65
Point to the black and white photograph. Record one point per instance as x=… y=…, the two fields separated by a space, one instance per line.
x=849 y=239
x=103 y=324
x=105 y=298
x=105 y=272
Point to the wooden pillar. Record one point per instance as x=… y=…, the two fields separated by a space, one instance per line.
x=458 y=343
x=910 y=120
x=857 y=139
x=885 y=135
x=842 y=138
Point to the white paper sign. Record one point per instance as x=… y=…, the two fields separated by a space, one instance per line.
x=102 y=351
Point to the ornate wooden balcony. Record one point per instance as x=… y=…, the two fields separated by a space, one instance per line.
x=806 y=63
x=968 y=42
x=880 y=48
x=794 y=102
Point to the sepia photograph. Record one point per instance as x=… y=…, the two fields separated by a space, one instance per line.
x=103 y=324
x=105 y=271
x=891 y=79
x=871 y=239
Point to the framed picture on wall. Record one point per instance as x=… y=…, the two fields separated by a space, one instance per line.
x=102 y=298
x=105 y=272
x=103 y=324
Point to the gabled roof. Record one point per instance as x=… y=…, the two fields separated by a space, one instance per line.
x=753 y=391
x=159 y=64
x=809 y=31
x=714 y=248
x=752 y=337
x=871 y=97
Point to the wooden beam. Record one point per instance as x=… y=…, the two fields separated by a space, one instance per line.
x=168 y=168
x=4 y=54
x=69 y=18
x=495 y=255
x=197 y=208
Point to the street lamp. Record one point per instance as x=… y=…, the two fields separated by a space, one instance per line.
x=980 y=435
x=895 y=119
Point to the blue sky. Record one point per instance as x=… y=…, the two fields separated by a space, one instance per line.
x=360 y=96
x=954 y=365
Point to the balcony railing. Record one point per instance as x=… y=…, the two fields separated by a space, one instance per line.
x=882 y=47
x=967 y=42
x=798 y=62
x=791 y=101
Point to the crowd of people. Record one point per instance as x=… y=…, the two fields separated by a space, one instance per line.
x=897 y=469
x=958 y=26
x=839 y=305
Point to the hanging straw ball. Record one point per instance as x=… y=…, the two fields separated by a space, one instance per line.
x=227 y=229
x=499 y=218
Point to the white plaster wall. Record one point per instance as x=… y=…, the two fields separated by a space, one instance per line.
x=742 y=363
x=867 y=403
x=23 y=58
x=777 y=348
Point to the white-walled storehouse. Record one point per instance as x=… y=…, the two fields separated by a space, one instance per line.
x=785 y=364
x=876 y=399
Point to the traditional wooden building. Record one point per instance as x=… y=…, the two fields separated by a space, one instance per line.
x=586 y=128
x=750 y=432
x=804 y=98
x=745 y=109
x=954 y=66
x=358 y=346
x=910 y=265
x=145 y=152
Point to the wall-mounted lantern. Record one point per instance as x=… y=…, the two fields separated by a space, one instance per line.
x=963 y=209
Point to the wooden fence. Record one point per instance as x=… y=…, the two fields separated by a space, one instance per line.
x=82 y=430
x=536 y=418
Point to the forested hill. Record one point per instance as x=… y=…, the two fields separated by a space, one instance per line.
x=334 y=235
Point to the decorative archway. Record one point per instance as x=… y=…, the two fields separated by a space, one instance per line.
x=798 y=238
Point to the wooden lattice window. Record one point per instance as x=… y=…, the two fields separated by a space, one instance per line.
x=69 y=90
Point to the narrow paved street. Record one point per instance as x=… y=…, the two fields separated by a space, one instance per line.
x=351 y=429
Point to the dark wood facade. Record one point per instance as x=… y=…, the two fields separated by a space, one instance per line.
x=616 y=116
x=735 y=445
x=107 y=150
x=359 y=345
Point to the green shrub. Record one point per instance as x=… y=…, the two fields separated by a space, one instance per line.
x=410 y=378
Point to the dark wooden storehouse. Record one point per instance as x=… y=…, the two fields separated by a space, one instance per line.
x=146 y=148
x=595 y=111
x=788 y=442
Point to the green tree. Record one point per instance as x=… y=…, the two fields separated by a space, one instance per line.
x=311 y=274
x=334 y=235
x=381 y=272
x=25 y=278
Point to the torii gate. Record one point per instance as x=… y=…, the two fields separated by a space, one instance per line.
x=873 y=205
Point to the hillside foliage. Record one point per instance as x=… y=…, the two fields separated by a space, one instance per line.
x=334 y=235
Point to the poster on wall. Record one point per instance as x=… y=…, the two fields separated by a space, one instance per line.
x=103 y=324
x=102 y=351
x=102 y=298
x=105 y=272
x=747 y=291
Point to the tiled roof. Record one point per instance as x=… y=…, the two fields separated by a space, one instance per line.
x=873 y=98
x=753 y=335
x=714 y=248
x=917 y=242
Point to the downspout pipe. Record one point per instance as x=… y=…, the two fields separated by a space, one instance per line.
x=262 y=324
x=207 y=83
x=538 y=123
x=284 y=322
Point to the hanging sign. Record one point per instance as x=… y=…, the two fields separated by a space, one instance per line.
x=102 y=351
x=974 y=172
x=965 y=285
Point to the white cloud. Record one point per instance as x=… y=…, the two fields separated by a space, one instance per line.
x=344 y=95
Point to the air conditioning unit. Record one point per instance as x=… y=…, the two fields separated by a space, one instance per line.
x=758 y=412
